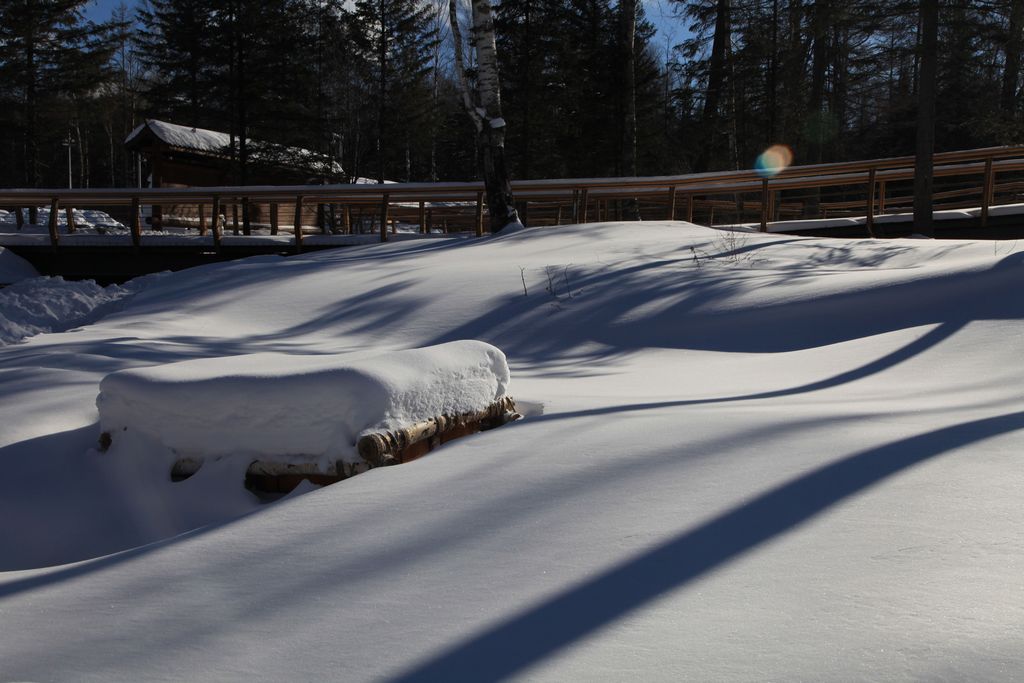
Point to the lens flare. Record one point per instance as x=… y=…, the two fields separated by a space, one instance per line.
x=773 y=160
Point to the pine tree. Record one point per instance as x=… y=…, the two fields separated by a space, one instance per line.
x=50 y=58
x=179 y=46
x=395 y=39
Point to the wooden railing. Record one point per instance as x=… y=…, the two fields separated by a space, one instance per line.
x=461 y=205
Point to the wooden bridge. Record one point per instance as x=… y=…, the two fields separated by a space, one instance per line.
x=190 y=226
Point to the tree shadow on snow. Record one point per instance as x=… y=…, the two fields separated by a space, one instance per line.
x=541 y=631
x=610 y=317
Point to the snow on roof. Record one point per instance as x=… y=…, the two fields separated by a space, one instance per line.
x=217 y=143
x=198 y=139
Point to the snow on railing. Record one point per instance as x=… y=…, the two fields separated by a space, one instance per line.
x=429 y=206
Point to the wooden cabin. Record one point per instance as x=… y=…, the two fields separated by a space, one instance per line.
x=180 y=156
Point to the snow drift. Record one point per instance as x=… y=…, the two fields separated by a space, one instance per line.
x=760 y=457
x=34 y=305
x=278 y=405
x=14 y=268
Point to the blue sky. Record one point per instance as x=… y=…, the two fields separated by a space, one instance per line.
x=670 y=29
x=100 y=10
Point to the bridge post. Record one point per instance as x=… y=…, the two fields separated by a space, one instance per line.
x=69 y=214
x=869 y=217
x=384 y=218
x=202 y=219
x=215 y=221
x=986 y=191
x=136 y=226
x=881 y=197
x=54 y=212
x=19 y=217
x=273 y=218
x=298 y=224
x=424 y=228
x=689 y=207
x=246 y=220
x=583 y=205
x=479 y=214
x=347 y=217
x=672 y=203
x=764 y=205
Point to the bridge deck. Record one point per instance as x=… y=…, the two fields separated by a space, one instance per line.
x=855 y=199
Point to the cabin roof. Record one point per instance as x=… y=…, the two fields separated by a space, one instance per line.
x=217 y=144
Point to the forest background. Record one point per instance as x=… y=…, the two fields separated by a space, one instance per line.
x=371 y=84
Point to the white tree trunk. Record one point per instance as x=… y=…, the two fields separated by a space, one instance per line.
x=487 y=83
x=485 y=111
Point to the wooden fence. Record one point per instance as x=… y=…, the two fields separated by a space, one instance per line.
x=865 y=188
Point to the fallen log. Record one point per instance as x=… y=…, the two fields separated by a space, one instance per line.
x=378 y=449
x=381 y=449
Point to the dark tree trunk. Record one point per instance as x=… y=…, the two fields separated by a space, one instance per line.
x=772 y=76
x=382 y=87
x=1011 y=72
x=819 y=64
x=923 y=220
x=31 y=144
x=526 y=138
x=710 y=118
x=628 y=9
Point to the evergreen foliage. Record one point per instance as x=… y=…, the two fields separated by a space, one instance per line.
x=371 y=84
x=51 y=66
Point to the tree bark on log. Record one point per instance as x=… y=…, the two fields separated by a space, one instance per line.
x=386 y=448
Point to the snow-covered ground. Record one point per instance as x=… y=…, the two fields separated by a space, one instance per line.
x=14 y=268
x=97 y=228
x=52 y=304
x=744 y=457
x=89 y=221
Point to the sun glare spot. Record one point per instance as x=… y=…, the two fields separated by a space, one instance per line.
x=773 y=160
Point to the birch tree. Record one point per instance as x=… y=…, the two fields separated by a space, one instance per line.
x=483 y=104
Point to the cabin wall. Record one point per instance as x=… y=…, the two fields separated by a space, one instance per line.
x=177 y=170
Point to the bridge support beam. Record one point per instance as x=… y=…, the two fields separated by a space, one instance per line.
x=869 y=217
x=215 y=219
x=54 y=212
x=986 y=191
x=136 y=226
x=298 y=224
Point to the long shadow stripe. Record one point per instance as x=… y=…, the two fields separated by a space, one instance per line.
x=541 y=631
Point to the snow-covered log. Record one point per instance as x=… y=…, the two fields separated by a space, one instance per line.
x=297 y=409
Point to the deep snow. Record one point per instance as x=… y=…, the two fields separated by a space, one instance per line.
x=14 y=268
x=744 y=457
x=52 y=304
x=285 y=406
